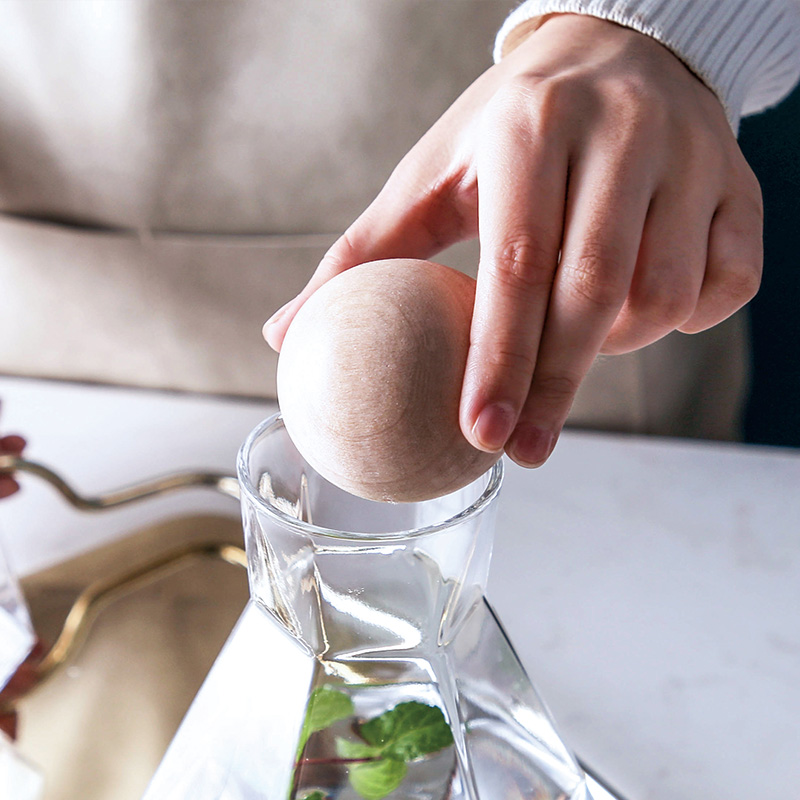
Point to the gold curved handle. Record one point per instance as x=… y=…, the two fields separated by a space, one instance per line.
x=99 y=593
x=225 y=484
x=103 y=591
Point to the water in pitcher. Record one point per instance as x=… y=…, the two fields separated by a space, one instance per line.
x=417 y=759
x=380 y=723
x=368 y=665
x=391 y=741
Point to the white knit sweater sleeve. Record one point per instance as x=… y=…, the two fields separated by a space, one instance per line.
x=746 y=51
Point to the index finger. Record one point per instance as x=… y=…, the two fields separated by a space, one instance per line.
x=422 y=209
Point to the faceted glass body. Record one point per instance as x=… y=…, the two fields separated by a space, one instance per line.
x=368 y=664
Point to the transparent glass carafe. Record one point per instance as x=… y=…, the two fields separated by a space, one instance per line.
x=368 y=663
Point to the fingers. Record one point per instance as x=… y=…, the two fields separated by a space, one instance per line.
x=605 y=219
x=8 y=486
x=429 y=202
x=408 y=219
x=669 y=272
x=10 y=445
x=521 y=178
x=735 y=261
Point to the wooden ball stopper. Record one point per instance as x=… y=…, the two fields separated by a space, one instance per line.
x=369 y=381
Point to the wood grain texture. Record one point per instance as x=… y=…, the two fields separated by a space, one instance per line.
x=369 y=381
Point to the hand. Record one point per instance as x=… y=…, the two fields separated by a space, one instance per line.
x=612 y=205
x=10 y=446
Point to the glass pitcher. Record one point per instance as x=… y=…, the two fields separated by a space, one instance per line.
x=368 y=664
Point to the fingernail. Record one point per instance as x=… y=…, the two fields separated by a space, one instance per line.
x=8 y=486
x=277 y=315
x=271 y=336
x=530 y=445
x=494 y=425
x=13 y=444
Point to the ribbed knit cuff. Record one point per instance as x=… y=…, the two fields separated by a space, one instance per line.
x=746 y=51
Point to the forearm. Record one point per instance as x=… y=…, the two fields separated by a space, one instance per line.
x=747 y=53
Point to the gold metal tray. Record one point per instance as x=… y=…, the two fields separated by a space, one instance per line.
x=129 y=631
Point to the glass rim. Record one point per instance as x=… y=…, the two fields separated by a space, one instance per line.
x=248 y=489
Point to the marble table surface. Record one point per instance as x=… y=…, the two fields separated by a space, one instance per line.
x=651 y=586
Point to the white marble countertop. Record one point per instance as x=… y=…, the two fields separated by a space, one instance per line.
x=652 y=587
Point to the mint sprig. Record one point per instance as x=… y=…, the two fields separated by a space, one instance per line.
x=408 y=731
x=376 y=779
x=378 y=762
x=325 y=706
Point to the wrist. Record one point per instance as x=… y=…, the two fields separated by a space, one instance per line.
x=570 y=40
x=747 y=54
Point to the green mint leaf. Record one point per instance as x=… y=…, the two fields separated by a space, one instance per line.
x=316 y=795
x=408 y=731
x=325 y=706
x=346 y=748
x=376 y=779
